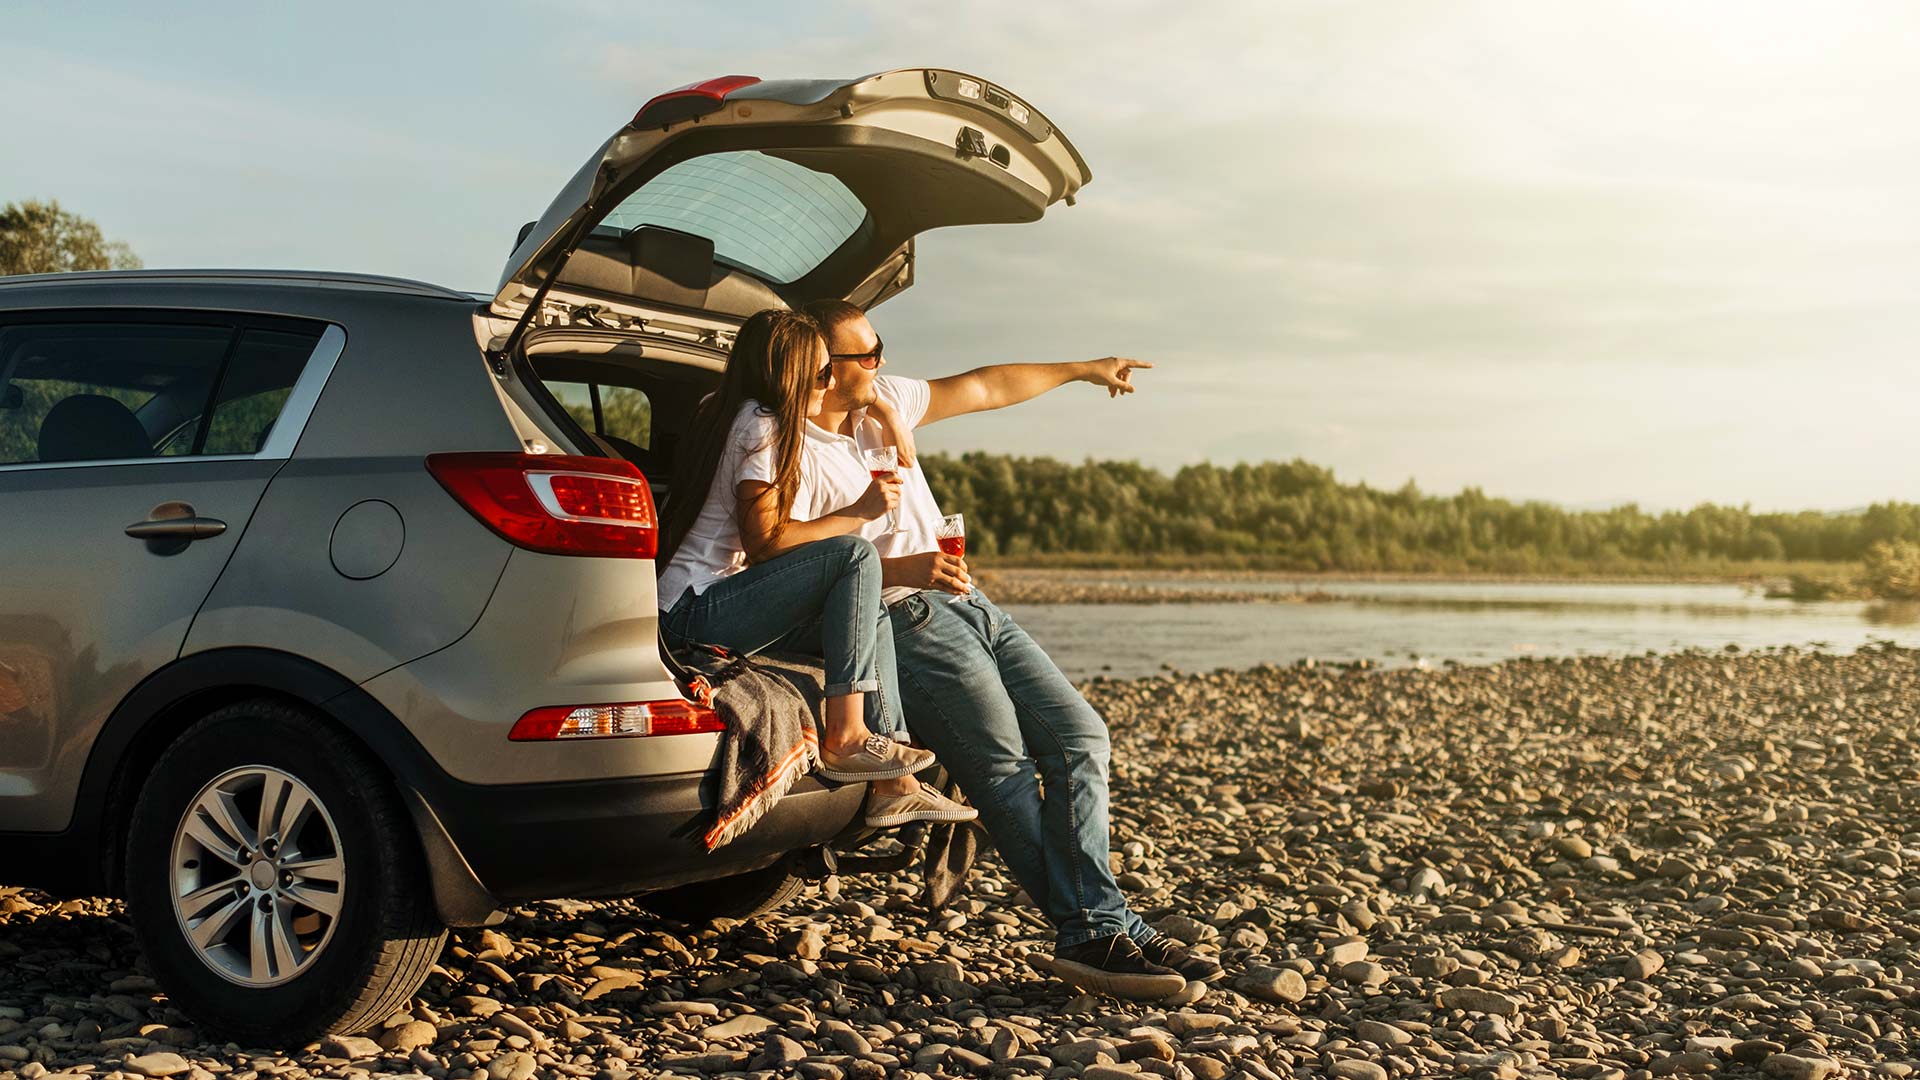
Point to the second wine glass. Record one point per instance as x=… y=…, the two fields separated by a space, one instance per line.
x=952 y=538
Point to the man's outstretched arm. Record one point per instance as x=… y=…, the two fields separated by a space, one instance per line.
x=1002 y=385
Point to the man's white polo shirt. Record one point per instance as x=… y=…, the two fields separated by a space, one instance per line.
x=834 y=475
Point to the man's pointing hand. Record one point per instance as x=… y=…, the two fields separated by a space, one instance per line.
x=1000 y=385
x=1115 y=373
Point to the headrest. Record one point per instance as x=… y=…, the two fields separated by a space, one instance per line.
x=92 y=427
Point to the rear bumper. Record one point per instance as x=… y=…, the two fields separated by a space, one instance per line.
x=620 y=837
x=504 y=821
x=487 y=845
x=623 y=832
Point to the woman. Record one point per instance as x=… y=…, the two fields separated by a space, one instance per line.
x=741 y=574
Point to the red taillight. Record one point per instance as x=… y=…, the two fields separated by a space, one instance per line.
x=689 y=101
x=559 y=505
x=609 y=721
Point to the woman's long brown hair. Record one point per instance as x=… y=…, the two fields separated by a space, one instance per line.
x=775 y=357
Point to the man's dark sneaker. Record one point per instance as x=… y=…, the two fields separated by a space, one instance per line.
x=1168 y=953
x=1115 y=966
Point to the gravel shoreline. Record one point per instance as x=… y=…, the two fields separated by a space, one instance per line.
x=1698 y=863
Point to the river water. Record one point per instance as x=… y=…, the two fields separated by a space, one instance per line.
x=1397 y=623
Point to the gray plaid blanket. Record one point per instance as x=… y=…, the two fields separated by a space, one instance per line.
x=771 y=704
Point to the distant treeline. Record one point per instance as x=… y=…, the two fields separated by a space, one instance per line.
x=1296 y=515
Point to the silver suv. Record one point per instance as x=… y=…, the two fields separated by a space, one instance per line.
x=327 y=611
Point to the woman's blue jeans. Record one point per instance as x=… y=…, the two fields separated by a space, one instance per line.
x=1027 y=749
x=821 y=598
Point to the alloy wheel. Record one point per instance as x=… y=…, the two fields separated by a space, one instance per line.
x=257 y=876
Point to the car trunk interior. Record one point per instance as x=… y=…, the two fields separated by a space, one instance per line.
x=636 y=397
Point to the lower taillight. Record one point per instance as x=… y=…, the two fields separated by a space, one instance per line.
x=556 y=504
x=609 y=721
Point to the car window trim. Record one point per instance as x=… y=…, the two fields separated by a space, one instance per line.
x=102 y=463
x=298 y=409
x=287 y=427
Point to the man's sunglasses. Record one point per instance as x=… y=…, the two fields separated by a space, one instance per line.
x=868 y=360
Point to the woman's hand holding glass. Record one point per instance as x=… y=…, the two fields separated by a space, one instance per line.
x=881 y=497
x=883 y=463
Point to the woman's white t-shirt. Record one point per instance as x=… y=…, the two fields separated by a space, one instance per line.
x=712 y=548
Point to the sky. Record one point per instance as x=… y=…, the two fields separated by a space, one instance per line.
x=1592 y=253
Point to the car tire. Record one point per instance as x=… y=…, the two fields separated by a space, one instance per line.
x=741 y=896
x=278 y=968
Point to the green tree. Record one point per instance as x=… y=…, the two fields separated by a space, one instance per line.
x=40 y=238
x=1297 y=514
x=1893 y=569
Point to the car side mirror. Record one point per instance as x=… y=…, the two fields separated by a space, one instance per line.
x=12 y=398
x=522 y=238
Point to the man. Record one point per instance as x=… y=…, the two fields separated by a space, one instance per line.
x=975 y=688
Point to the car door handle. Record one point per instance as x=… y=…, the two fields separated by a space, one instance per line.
x=187 y=527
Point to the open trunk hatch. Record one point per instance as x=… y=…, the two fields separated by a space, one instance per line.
x=738 y=194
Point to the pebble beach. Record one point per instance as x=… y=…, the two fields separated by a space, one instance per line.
x=1704 y=863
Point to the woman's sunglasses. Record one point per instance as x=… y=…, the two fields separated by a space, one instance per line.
x=824 y=377
x=868 y=360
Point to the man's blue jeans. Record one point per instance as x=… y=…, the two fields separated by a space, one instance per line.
x=821 y=598
x=982 y=696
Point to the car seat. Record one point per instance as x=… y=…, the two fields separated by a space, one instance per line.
x=92 y=427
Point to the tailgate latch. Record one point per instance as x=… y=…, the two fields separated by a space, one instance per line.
x=971 y=142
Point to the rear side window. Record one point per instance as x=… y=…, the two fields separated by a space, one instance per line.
x=76 y=392
x=265 y=365
x=116 y=390
x=621 y=414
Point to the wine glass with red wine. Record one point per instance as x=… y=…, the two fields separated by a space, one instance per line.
x=952 y=538
x=883 y=463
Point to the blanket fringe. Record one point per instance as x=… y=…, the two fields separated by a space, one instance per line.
x=799 y=761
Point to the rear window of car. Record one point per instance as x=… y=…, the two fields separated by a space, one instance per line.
x=767 y=216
